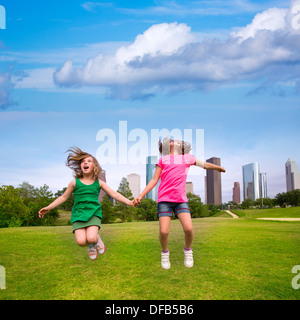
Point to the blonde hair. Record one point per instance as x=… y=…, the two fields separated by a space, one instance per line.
x=74 y=161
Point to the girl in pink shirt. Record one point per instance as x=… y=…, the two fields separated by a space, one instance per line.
x=173 y=168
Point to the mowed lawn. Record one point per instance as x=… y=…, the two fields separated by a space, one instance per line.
x=234 y=259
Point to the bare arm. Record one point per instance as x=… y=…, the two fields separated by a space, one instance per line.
x=58 y=201
x=152 y=183
x=115 y=195
x=208 y=166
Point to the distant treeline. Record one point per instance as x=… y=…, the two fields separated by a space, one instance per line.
x=20 y=206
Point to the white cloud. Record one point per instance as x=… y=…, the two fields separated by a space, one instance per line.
x=169 y=58
x=271 y=20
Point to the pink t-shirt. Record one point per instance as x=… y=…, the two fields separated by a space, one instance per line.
x=173 y=177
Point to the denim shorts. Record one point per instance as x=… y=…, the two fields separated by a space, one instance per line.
x=166 y=209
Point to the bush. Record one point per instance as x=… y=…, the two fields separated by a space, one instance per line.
x=20 y=208
x=13 y=211
x=147 y=210
x=196 y=206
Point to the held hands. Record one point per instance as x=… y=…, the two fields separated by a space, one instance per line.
x=137 y=201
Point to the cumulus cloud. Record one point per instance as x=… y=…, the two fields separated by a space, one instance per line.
x=168 y=58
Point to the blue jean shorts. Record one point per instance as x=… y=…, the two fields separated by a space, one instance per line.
x=166 y=209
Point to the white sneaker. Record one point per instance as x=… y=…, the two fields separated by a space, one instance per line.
x=165 y=262
x=100 y=246
x=92 y=252
x=188 y=258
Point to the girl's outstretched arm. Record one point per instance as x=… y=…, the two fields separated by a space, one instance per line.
x=208 y=166
x=152 y=183
x=63 y=198
x=114 y=194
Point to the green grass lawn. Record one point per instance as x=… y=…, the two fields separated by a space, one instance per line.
x=293 y=212
x=234 y=259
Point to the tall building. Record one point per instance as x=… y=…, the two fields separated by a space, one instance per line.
x=263 y=185
x=251 y=181
x=213 y=183
x=134 y=184
x=189 y=187
x=150 y=170
x=236 y=192
x=292 y=175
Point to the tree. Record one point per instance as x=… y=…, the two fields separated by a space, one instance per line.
x=196 y=206
x=232 y=205
x=147 y=210
x=263 y=202
x=124 y=212
x=108 y=214
x=20 y=206
x=124 y=189
x=291 y=198
x=247 y=203
x=68 y=205
x=27 y=192
x=13 y=210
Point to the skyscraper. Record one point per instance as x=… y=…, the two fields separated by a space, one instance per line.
x=251 y=181
x=236 y=192
x=263 y=185
x=213 y=183
x=150 y=169
x=189 y=187
x=134 y=184
x=292 y=175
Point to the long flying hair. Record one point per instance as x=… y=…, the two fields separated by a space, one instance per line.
x=164 y=146
x=74 y=159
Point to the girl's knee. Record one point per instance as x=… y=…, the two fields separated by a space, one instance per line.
x=164 y=232
x=81 y=242
x=189 y=230
x=92 y=238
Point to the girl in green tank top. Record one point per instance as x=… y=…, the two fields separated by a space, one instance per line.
x=86 y=212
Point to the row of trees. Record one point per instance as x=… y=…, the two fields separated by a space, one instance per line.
x=290 y=198
x=20 y=206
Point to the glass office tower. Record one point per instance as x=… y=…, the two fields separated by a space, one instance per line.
x=150 y=170
x=251 y=181
x=263 y=185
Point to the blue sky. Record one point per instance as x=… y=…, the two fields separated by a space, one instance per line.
x=69 y=69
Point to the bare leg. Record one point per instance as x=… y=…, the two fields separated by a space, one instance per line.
x=86 y=236
x=164 y=229
x=187 y=225
x=80 y=236
x=92 y=235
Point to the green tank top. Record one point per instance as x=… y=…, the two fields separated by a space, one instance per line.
x=86 y=201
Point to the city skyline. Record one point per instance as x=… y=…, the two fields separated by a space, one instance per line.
x=213 y=184
x=260 y=182
x=88 y=66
